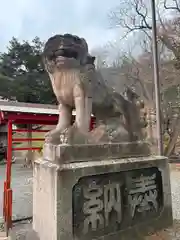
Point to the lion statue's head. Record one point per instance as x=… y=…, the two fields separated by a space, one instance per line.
x=62 y=51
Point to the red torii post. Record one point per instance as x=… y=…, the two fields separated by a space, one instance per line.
x=23 y=113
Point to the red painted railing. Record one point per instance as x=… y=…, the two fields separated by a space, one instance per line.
x=14 y=118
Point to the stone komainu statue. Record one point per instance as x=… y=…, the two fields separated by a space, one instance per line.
x=77 y=85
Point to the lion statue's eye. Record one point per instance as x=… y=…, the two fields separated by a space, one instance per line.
x=72 y=38
x=77 y=40
x=67 y=35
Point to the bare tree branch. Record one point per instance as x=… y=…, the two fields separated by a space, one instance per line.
x=134 y=17
x=138 y=7
x=176 y=7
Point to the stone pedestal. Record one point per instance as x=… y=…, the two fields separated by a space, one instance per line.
x=92 y=192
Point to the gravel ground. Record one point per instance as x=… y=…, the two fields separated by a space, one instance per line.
x=22 y=203
x=22 y=190
x=175 y=191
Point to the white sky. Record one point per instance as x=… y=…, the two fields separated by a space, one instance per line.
x=26 y=19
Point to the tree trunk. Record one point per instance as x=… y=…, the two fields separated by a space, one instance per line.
x=176 y=132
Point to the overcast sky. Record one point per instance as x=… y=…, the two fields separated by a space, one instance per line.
x=26 y=19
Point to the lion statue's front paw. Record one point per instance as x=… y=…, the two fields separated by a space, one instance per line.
x=73 y=135
x=53 y=136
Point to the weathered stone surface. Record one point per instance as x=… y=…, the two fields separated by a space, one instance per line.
x=91 y=152
x=77 y=85
x=102 y=199
x=23 y=231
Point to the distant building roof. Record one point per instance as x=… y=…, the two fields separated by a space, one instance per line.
x=21 y=107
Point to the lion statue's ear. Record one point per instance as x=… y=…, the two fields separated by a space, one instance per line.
x=93 y=59
x=90 y=59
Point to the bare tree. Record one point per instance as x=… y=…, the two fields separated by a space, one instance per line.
x=134 y=16
x=131 y=73
x=101 y=57
x=131 y=15
x=138 y=72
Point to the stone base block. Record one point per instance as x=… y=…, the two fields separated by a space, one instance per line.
x=104 y=199
x=91 y=152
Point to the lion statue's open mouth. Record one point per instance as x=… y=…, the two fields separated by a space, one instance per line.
x=67 y=46
x=68 y=53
